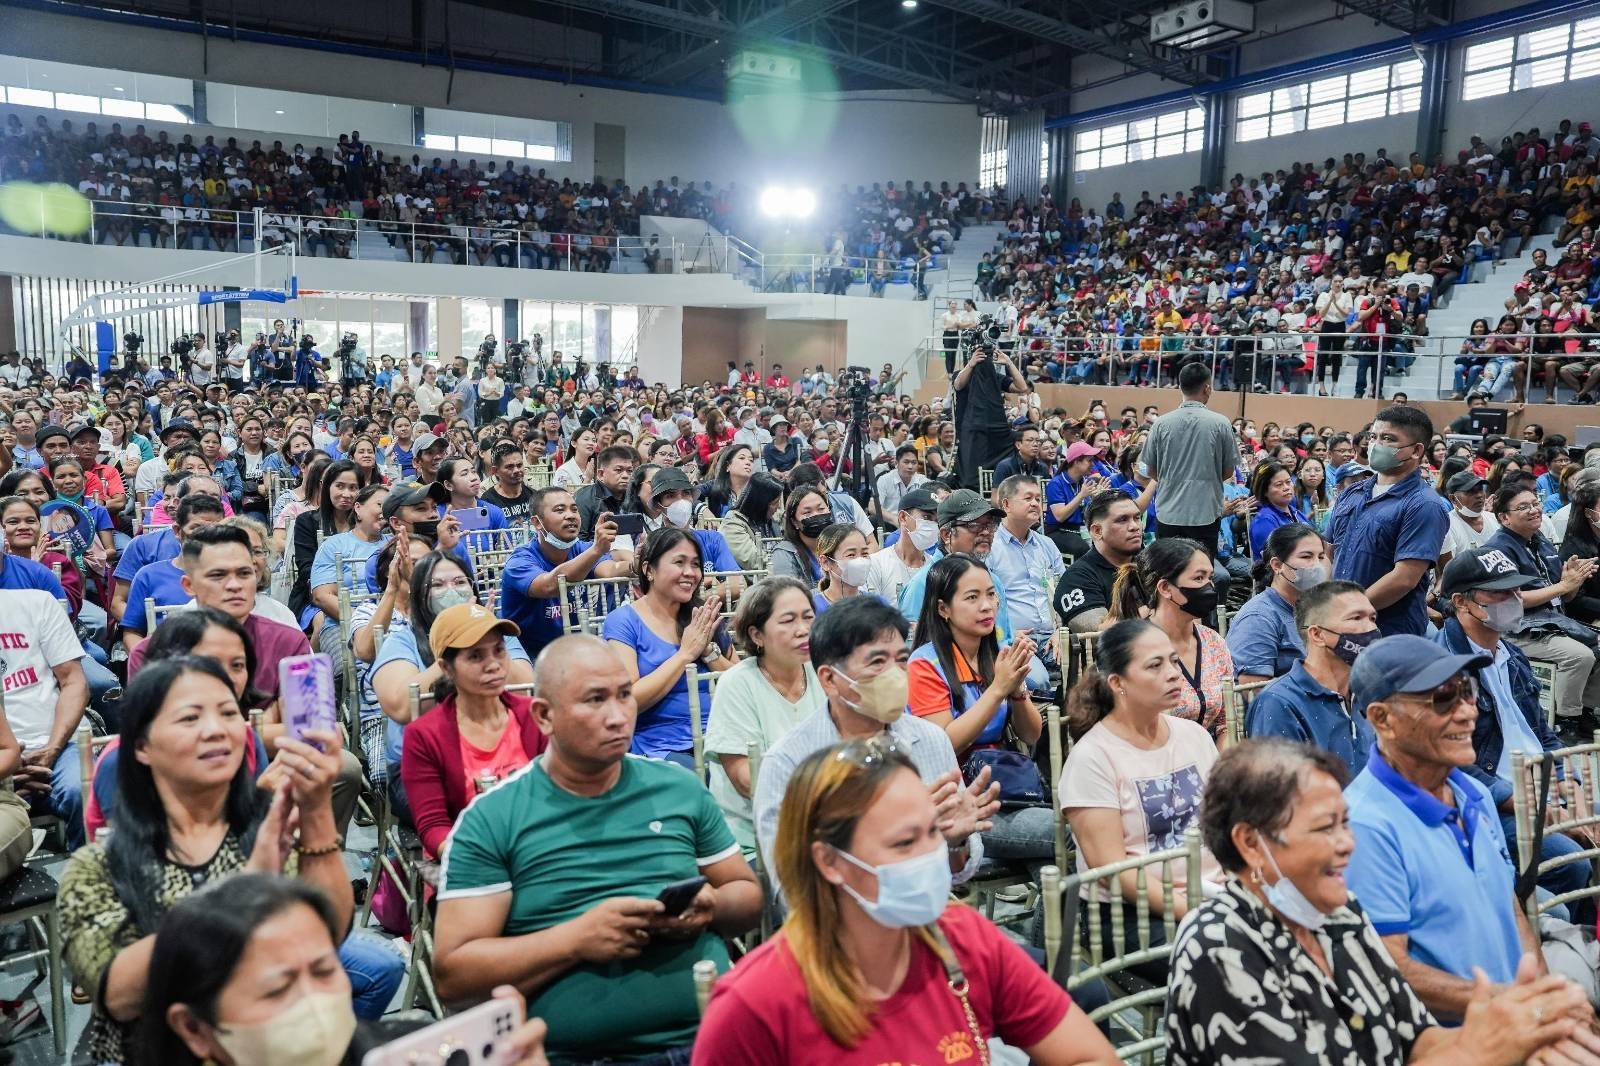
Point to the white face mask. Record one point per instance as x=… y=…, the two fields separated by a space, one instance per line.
x=679 y=512
x=854 y=572
x=1286 y=898
x=925 y=536
x=1467 y=512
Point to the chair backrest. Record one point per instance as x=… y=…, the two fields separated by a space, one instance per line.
x=1575 y=802
x=768 y=544
x=585 y=604
x=156 y=613
x=1056 y=737
x=1222 y=621
x=698 y=709
x=89 y=749
x=1545 y=674
x=731 y=585
x=985 y=480
x=1236 y=700
x=1103 y=885
x=537 y=476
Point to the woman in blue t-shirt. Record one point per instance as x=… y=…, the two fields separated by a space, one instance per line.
x=659 y=635
x=1273 y=488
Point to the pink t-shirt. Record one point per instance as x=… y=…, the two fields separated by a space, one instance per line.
x=1157 y=790
x=507 y=757
x=759 y=1014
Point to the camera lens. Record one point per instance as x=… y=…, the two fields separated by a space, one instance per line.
x=459 y=1057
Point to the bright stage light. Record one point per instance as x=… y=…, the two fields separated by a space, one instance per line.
x=778 y=201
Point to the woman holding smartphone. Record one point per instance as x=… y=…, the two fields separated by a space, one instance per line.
x=460 y=476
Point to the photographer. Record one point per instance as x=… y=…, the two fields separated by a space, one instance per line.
x=981 y=422
x=307 y=363
x=202 y=362
x=352 y=361
x=261 y=359
x=281 y=343
x=236 y=362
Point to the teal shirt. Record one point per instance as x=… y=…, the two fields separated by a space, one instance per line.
x=559 y=855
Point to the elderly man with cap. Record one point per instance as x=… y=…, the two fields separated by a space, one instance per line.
x=1483 y=588
x=1432 y=866
x=151 y=474
x=750 y=433
x=101 y=481
x=427 y=453
x=1471 y=520
x=53 y=443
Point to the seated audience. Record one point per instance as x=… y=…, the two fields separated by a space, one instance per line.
x=1262 y=636
x=1116 y=535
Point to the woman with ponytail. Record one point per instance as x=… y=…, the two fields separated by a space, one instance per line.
x=1134 y=778
x=1170 y=583
x=1262 y=637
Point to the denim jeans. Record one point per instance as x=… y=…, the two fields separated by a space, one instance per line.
x=376 y=969
x=1026 y=833
x=1468 y=370
x=66 y=795
x=678 y=1056
x=1498 y=377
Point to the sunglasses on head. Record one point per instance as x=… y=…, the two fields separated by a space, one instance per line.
x=1445 y=698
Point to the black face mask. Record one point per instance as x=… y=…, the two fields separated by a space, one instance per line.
x=812 y=527
x=428 y=529
x=1199 y=601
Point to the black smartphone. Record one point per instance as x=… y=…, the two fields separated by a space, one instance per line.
x=677 y=896
x=629 y=525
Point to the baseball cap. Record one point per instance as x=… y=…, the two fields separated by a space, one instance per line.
x=464 y=625
x=1464 y=481
x=1078 y=450
x=1404 y=663
x=406 y=493
x=918 y=499
x=179 y=425
x=424 y=442
x=1482 y=568
x=964 y=505
x=1349 y=470
x=79 y=429
x=669 y=479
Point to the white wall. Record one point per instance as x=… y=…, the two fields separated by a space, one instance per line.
x=849 y=137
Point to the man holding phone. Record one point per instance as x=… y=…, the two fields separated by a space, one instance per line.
x=613 y=469
x=591 y=931
x=528 y=584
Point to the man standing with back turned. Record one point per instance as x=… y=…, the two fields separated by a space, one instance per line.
x=1191 y=452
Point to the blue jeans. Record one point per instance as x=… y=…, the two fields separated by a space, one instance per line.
x=93 y=620
x=66 y=795
x=1498 y=377
x=1468 y=369
x=376 y=970
x=678 y=1056
x=1027 y=834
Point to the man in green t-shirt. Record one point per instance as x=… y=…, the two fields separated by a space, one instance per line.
x=550 y=880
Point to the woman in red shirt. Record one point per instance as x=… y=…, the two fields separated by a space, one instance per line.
x=718 y=435
x=478 y=735
x=865 y=970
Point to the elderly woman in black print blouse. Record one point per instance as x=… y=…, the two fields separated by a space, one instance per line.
x=1282 y=967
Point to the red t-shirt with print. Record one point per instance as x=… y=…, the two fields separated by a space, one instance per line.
x=759 y=1014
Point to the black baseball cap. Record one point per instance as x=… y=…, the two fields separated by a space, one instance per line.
x=1482 y=568
x=406 y=493
x=919 y=499
x=1464 y=481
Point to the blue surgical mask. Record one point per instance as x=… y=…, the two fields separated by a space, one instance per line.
x=911 y=892
x=1285 y=897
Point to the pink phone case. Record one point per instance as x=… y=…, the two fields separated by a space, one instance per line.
x=305 y=685
x=479 y=1034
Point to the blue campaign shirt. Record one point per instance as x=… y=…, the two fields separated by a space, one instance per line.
x=1447 y=884
x=1062 y=489
x=1297 y=707
x=1266 y=520
x=145 y=549
x=161 y=581
x=17 y=572
x=1373 y=533
x=539 y=617
x=971 y=693
x=1262 y=638
x=664 y=727
x=714 y=547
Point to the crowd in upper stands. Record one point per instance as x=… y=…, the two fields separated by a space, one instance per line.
x=1352 y=254
x=645 y=688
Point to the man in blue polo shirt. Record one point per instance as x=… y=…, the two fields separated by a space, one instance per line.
x=155 y=546
x=1311 y=703
x=162 y=580
x=1387 y=532
x=673 y=497
x=1431 y=866
x=528 y=585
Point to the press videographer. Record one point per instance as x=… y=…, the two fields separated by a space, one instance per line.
x=236 y=361
x=352 y=361
x=981 y=424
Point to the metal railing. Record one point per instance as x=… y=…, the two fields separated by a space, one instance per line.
x=380 y=240
x=1507 y=367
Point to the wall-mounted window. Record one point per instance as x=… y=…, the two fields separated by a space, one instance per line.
x=992 y=154
x=1151 y=137
x=1564 y=52
x=1392 y=89
x=118 y=94
x=465 y=133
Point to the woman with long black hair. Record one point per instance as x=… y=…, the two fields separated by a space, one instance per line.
x=188 y=812
x=335 y=514
x=735 y=467
x=750 y=521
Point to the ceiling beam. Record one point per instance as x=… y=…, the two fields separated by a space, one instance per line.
x=1078 y=38
x=774 y=23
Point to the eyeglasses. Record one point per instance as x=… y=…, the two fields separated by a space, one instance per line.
x=1526 y=508
x=982 y=525
x=1445 y=698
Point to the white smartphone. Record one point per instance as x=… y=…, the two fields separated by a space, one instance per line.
x=475 y=1037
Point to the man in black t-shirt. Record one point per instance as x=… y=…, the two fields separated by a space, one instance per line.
x=1116 y=530
x=981 y=423
x=509 y=492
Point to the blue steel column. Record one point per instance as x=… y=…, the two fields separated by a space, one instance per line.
x=1435 y=95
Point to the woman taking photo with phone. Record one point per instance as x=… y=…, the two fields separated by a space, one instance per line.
x=188 y=812
x=245 y=973
x=872 y=965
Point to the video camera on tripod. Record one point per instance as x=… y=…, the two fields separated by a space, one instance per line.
x=516 y=355
x=986 y=332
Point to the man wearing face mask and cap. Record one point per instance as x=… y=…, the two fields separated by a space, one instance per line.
x=672 y=501
x=1387 y=532
x=858 y=648
x=528 y=585
x=893 y=566
x=1484 y=590
x=1471 y=522
x=1311 y=703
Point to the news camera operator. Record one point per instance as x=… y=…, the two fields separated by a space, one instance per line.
x=352 y=361
x=980 y=388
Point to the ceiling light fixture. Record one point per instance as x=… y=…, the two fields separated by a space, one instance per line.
x=909 y=5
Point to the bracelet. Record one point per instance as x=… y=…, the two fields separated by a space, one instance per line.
x=327 y=849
